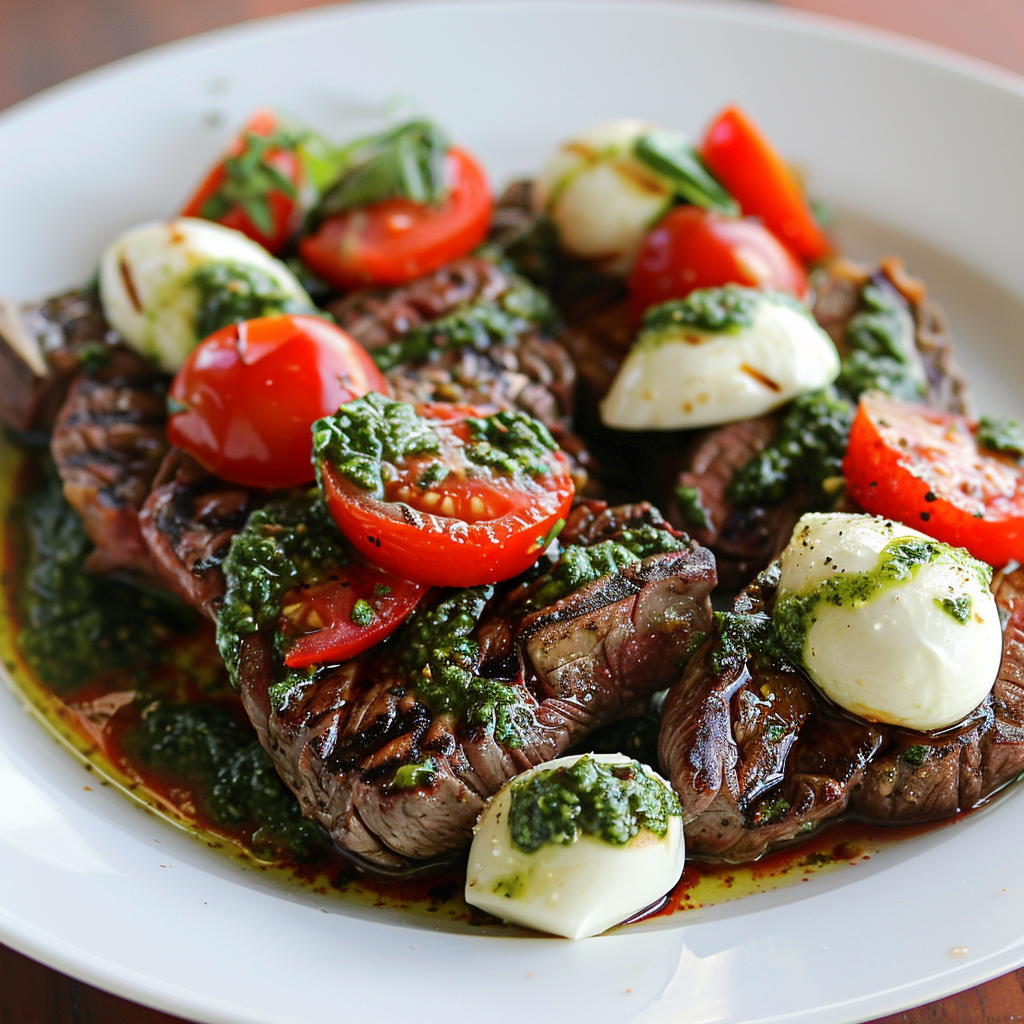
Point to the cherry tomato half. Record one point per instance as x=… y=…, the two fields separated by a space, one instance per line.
x=756 y=176
x=248 y=395
x=445 y=519
x=255 y=187
x=345 y=615
x=396 y=240
x=925 y=469
x=693 y=248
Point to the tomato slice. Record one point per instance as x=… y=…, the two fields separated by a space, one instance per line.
x=346 y=615
x=926 y=469
x=248 y=395
x=692 y=248
x=455 y=512
x=395 y=240
x=754 y=173
x=255 y=187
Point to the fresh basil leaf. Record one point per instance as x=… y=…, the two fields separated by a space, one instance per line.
x=671 y=155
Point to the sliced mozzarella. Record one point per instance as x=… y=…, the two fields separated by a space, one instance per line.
x=600 y=197
x=146 y=282
x=577 y=890
x=679 y=377
x=896 y=653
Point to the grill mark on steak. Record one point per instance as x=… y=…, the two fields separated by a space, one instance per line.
x=731 y=753
x=107 y=444
x=577 y=664
x=187 y=523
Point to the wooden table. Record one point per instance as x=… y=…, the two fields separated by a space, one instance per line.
x=46 y=41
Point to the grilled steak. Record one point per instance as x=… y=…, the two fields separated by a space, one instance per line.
x=107 y=444
x=760 y=758
x=746 y=539
x=394 y=781
x=187 y=523
x=43 y=348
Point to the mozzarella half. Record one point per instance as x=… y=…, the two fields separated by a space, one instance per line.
x=577 y=890
x=679 y=378
x=600 y=197
x=146 y=282
x=899 y=655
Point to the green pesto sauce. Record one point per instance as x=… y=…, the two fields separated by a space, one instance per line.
x=521 y=309
x=808 y=450
x=740 y=637
x=898 y=563
x=410 y=776
x=291 y=540
x=1001 y=434
x=76 y=623
x=437 y=657
x=613 y=802
x=692 y=508
x=723 y=310
x=510 y=443
x=959 y=608
x=579 y=565
x=231 y=775
x=231 y=292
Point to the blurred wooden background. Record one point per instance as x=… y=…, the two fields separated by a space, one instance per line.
x=43 y=42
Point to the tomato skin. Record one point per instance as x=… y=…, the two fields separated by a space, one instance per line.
x=925 y=469
x=340 y=638
x=251 y=391
x=408 y=536
x=754 y=173
x=397 y=240
x=284 y=211
x=693 y=248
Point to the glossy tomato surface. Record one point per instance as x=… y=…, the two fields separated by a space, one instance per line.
x=247 y=396
x=395 y=240
x=926 y=469
x=753 y=171
x=473 y=526
x=345 y=615
x=255 y=187
x=693 y=248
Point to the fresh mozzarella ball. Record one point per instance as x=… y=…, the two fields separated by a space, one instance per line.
x=146 y=284
x=600 y=197
x=575 y=890
x=920 y=651
x=679 y=377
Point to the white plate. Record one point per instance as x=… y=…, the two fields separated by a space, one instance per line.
x=895 y=134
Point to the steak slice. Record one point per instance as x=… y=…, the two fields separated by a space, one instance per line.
x=393 y=781
x=107 y=444
x=759 y=757
x=43 y=348
x=187 y=523
x=745 y=540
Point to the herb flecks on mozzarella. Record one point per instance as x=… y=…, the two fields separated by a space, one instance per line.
x=577 y=845
x=719 y=355
x=166 y=285
x=890 y=624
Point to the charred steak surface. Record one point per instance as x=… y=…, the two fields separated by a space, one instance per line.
x=397 y=768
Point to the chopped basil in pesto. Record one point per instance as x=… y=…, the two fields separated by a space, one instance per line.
x=717 y=310
x=612 y=802
x=959 y=608
x=1001 y=434
x=916 y=755
x=411 y=776
x=511 y=442
x=362 y=613
x=740 y=637
x=691 y=508
x=289 y=541
x=231 y=292
x=519 y=310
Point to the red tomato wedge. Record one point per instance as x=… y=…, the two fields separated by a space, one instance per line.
x=247 y=396
x=395 y=240
x=346 y=615
x=755 y=175
x=925 y=469
x=255 y=187
x=441 y=518
x=693 y=248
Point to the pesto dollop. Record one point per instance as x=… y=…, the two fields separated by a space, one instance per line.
x=230 y=292
x=898 y=563
x=291 y=540
x=610 y=801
